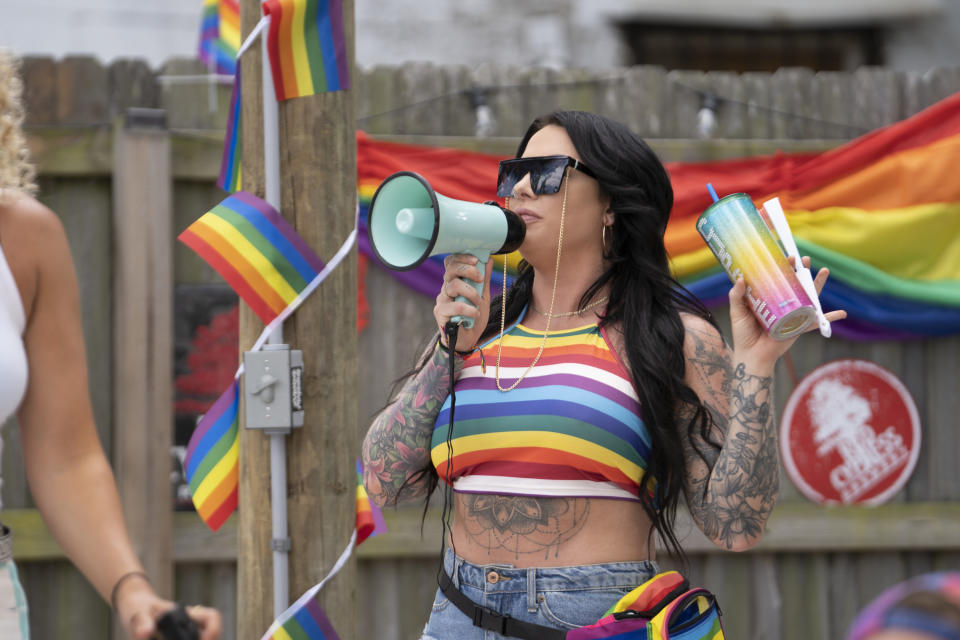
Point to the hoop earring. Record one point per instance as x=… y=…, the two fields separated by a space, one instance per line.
x=603 y=238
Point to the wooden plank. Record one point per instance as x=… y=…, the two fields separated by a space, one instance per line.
x=195 y=156
x=255 y=567
x=132 y=84
x=684 y=100
x=62 y=604
x=835 y=103
x=39 y=74
x=843 y=590
x=643 y=101
x=459 y=118
x=192 y=105
x=801 y=578
x=71 y=152
x=794 y=528
x=319 y=196
x=143 y=270
x=941 y=440
x=424 y=90
x=769 y=602
x=759 y=115
x=506 y=99
x=793 y=103
x=82 y=92
x=877 y=97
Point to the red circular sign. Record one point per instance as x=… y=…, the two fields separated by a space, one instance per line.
x=850 y=434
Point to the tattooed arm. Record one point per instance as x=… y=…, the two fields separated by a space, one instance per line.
x=397 y=444
x=730 y=491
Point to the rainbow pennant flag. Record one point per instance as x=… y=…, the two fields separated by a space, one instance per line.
x=229 y=179
x=220 y=34
x=370 y=520
x=307 y=622
x=307 y=47
x=256 y=251
x=211 y=460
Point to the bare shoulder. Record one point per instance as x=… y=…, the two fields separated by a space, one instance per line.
x=708 y=361
x=34 y=244
x=700 y=336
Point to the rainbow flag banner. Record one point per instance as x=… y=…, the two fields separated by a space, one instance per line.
x=307 y=47
x=256 y=251
x=220 y=35
x=306 y=622
x=211 y=460
x=229 y=179
x=370 y=520
x=882 y=212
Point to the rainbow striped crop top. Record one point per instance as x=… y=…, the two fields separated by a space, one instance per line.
x=572 y=428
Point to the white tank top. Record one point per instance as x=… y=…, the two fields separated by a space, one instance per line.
x=13 y=355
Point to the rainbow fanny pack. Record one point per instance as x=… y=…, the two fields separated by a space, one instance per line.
x=662 y=608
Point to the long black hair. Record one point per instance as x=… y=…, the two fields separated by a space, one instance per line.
x=645 y=301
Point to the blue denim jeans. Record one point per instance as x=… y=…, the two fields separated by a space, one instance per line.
x=558 y=597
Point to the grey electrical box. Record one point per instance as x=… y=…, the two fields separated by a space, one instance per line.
x=272 y=388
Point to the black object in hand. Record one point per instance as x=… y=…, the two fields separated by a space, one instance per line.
x=176 y=625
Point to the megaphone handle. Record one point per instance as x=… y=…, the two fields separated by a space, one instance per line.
x=467 y=323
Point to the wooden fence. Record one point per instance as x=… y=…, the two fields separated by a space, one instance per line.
x=815 y=568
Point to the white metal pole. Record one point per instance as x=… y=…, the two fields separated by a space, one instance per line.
x=278 y=442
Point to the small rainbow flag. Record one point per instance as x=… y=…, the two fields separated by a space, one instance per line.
x=370 y=520
x=308 y=52
x=308 y=622
x=211 y=460
x=256 y=251
x=229 y=179
x=220 y=34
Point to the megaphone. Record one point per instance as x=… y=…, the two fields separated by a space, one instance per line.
x=410 y=222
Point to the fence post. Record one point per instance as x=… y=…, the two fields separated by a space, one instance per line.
x=143 y=330
x=318 y=181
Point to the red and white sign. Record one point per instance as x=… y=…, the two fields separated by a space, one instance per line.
x=850 y=434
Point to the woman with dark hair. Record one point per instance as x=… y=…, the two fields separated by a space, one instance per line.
x=587 y=399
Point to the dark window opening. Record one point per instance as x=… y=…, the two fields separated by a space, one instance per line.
x=731 y=49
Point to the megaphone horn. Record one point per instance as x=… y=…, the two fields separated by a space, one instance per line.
x=410 y=222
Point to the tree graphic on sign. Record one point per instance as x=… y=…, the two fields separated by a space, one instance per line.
x=841 y=420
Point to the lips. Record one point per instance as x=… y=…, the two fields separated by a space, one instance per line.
x=527 y=215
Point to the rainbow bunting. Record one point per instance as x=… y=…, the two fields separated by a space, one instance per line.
x=882 y=212
x=220 y=34
x=308 y=622
x=369 y=518
x=229 y=179
x=256 y=251
x=307 y=48
x=211 y=460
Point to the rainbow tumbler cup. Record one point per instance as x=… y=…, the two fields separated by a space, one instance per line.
x=745 y=246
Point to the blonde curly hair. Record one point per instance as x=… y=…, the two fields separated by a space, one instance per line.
x=16 y=172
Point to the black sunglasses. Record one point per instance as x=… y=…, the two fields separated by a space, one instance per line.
x=546 y=173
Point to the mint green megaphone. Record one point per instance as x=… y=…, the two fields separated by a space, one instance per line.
x=409 y=222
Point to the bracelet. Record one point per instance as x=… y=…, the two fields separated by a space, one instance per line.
x=446 y=349
x=121 y=580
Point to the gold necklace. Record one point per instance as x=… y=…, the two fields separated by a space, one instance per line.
x=553 y=298
x=567 y=314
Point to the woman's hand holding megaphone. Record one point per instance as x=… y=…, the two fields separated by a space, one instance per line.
x=460 y=267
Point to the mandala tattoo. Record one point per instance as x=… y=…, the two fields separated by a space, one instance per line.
x=731 y=491
x=522 y=524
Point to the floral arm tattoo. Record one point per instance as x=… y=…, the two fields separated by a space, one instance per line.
x=397 y=444
x=730 y=491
